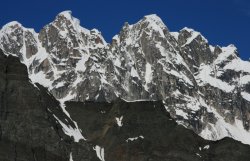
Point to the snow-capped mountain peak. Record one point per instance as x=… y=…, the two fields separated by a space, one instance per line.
x=204 y=88
x=154 y=20
x=191 y=35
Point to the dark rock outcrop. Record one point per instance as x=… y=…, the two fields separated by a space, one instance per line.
x=147 y=132
x=29 y=127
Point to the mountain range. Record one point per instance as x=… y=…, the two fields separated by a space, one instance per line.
x=144 y=96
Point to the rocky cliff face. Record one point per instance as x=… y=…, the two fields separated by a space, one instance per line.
x=205 y=88
x=32 y=123
x=144 y=130
x=33 y=126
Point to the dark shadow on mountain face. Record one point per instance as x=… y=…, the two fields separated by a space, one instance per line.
x=156 y=136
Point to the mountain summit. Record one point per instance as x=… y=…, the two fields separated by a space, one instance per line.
x=204 y=88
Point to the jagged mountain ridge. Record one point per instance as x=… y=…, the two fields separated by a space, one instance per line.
x=204 y=88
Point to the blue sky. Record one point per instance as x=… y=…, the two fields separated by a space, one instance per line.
x=222 y=22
